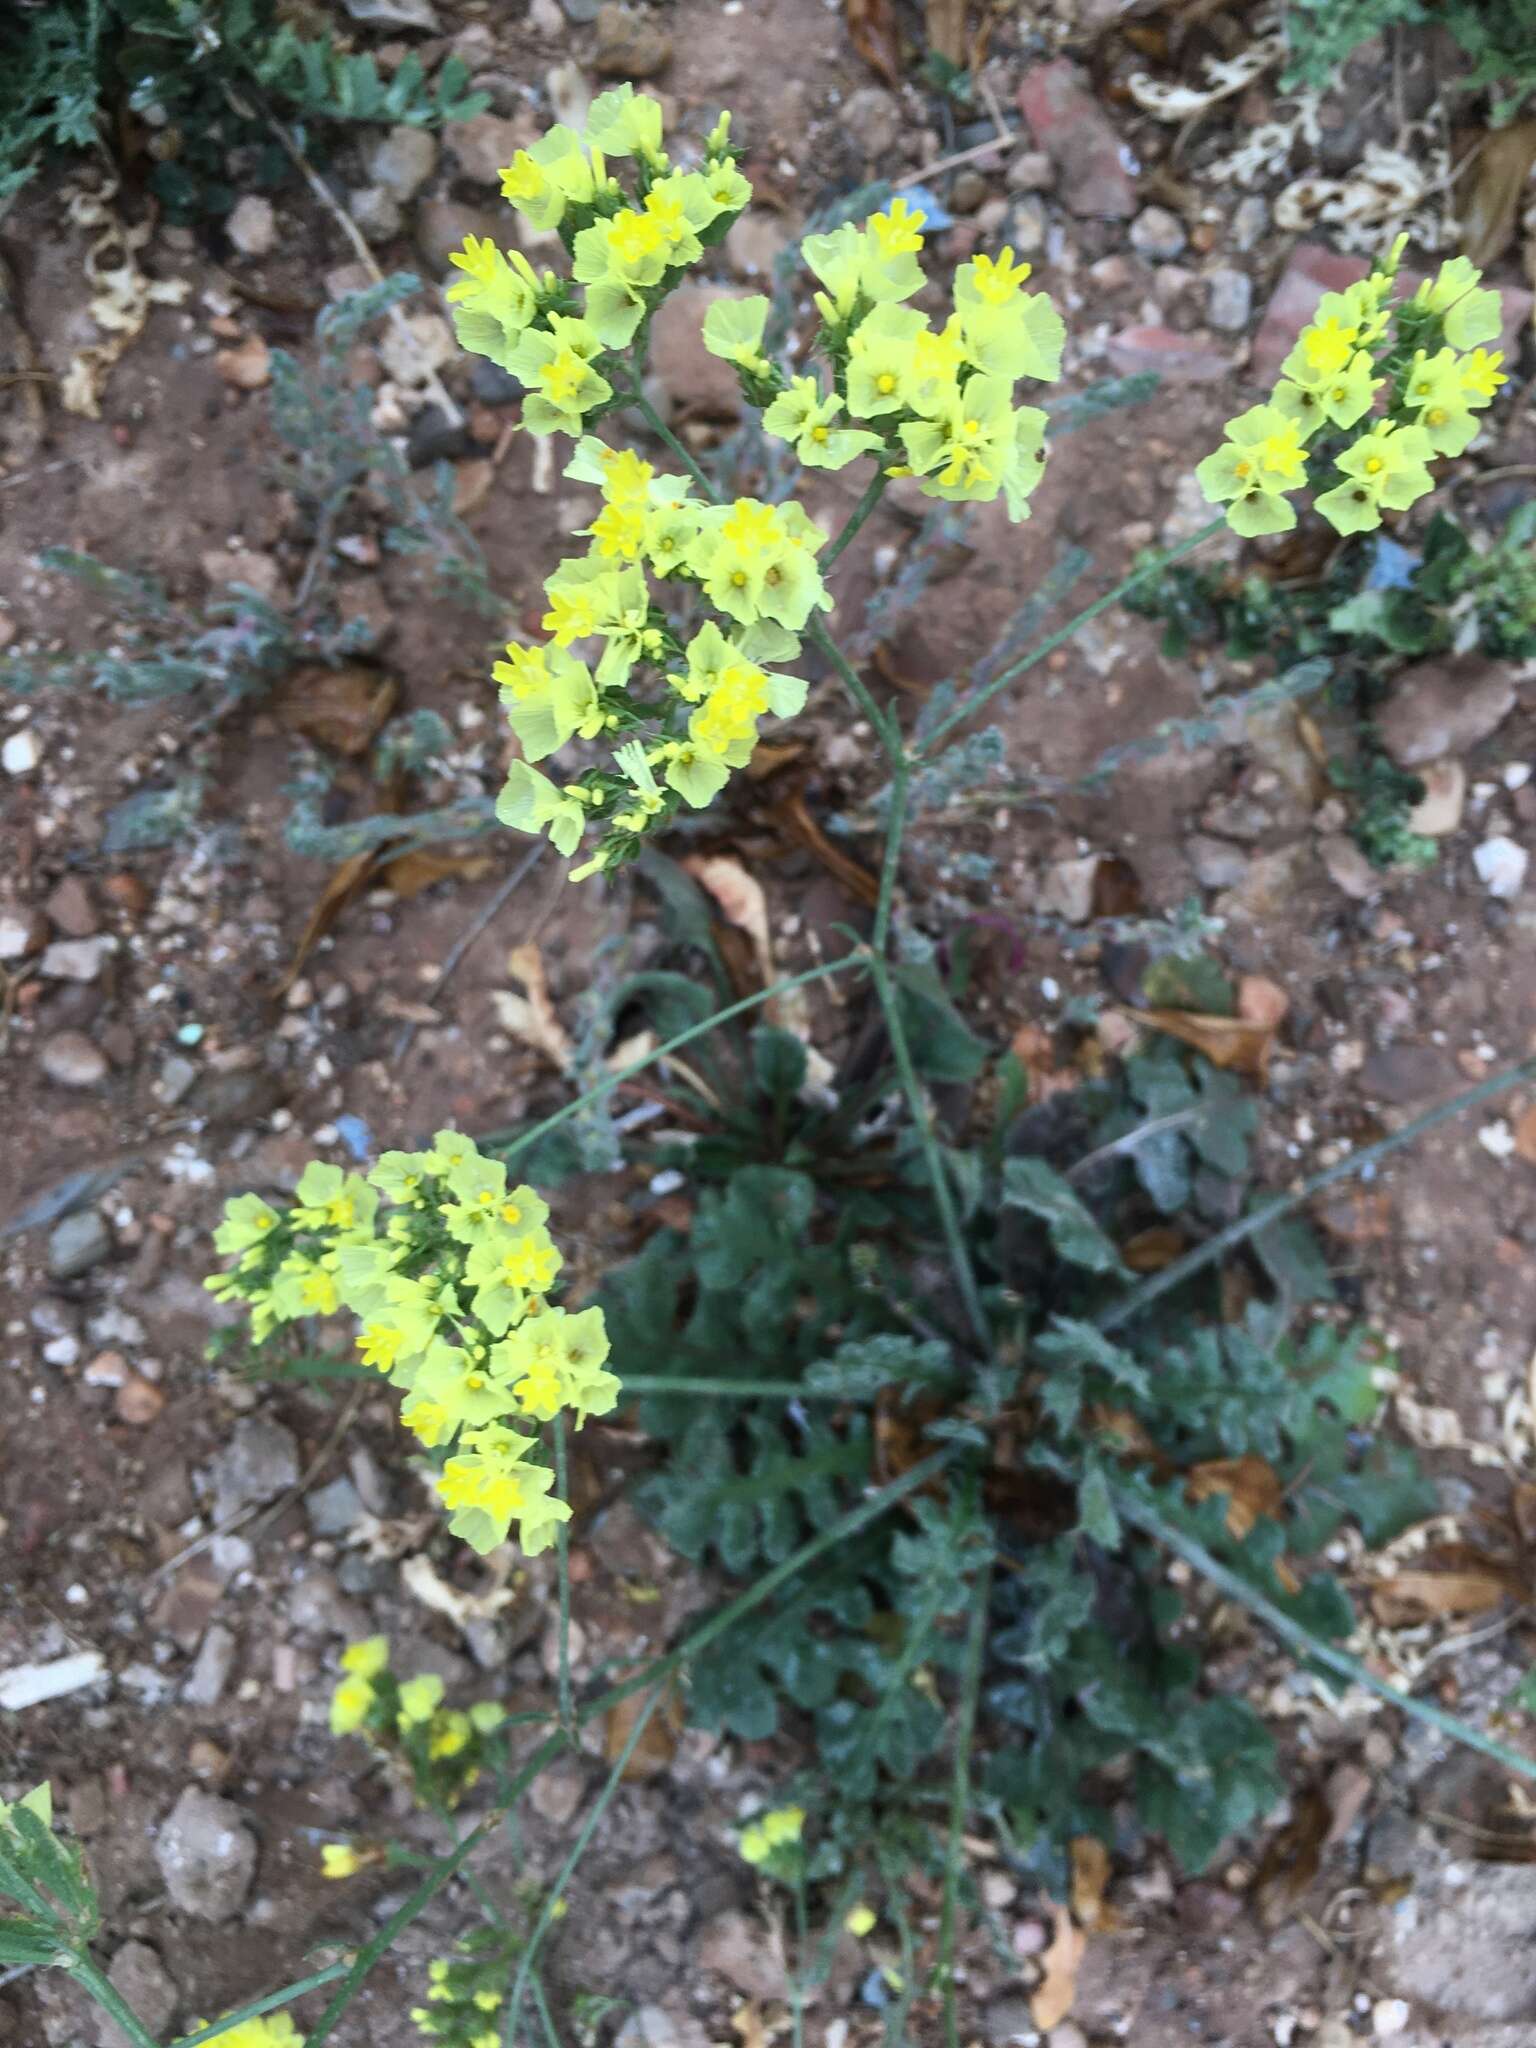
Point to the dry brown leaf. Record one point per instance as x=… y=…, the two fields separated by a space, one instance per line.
x=747 y=2021
x=741 y=900
x=946 y=30
x=1233 y=1042
x=657 y=1746
x=1117 y=890
x=1051 y=2000
x=340 y=708
x=532 y=1017
x=1363 y=1216
x=409 y=873
x=1292 y=1860
x=1410 y=1597
x=1252 y=1489
x=872 y=31
x=1525 y=1136
x=1035 y=1051
x=1493 y=189
x=769 y=756
x=1522 y=1512
x=345 y=885
x=1150 y=1250
x=797 y=820
x=1090 y=1878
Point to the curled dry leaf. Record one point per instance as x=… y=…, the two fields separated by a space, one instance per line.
x=344 y=886
x=1233 y=1042
x=741 y=900
x=658 y=1741
x=1455 y=1580
x=421 y=1579
x=1090 y=1880
x=945 y=22
x=1383 y=190
x=1224 y=76
x=1525 y=1137
x=1493 y=191
x=873 y=33
x=1035 y=1051
x=341 y=708
x=123 y=294
x=409 y=873
x=1291 y=1862
x=531 y=1017
x=1152 y=1249
x=1052 y=1998
x=1251 y=1486
x=1260 y=1001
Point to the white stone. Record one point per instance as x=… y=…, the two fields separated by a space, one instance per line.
x=28 y=1685
x=1501 y=866
x=21 y=752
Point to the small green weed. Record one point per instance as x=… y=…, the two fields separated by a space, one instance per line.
x=1498 y=37
x=195 y=72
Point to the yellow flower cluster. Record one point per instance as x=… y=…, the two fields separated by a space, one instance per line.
x=450 y=1284
x=772 y=1836
x=679 y=710
x=274 y=2030
x=938 y=404
x=1360 y=344
x=754 y=564
x=444 y=1748
x=466 y=1992
x=627 y=252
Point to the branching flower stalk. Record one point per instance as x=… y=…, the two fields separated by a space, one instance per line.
x=666 y=645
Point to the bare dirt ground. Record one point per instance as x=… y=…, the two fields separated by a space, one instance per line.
x=217 y=1542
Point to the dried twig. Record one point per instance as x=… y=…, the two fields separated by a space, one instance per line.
x=472 y=931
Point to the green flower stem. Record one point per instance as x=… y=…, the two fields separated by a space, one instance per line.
x=943 y=1193
x=960 y=1801
x=846 y=1526
x=258 y=2007
x=890 y=859
x=567 y=1869
x=1159 y=562
x=873 y=492
x=885 y=729
x=509 y=1144
x=1283 y=1205
x=110 y=1999
x=659 y=427
x=563 y=1572
x=541 y=2006
x=1133 y=1508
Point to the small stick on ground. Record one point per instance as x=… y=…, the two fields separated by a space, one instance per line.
x=467 y=938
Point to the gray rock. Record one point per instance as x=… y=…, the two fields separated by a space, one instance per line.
x=211 y=1668
x=1158 y=234
x=141 y=1980
x=395 y=13
x=251 y=226
x=1217 y=863
x=177 y=1077
x=71 y=1061
x=682 y=367
x=737 y=1949
x=1008 y=2020
x=1030 y=171
x=433 y=437
x=1464 y=1940
x=1406 y=1074
x=653 y=2026
x=317 y=1608
x=483 y=144
x=629 y=45
x=260 y=1461
x=70 y=909
x=1249 y=220
x=755 y=241
x=207 y=1856
x=76 y=959
x=402 y=161
x=872 y=120
x=442 y=225
x=333 y=1509
x=78 y=1243
x=1229 y=300
x=581 y=10
x=1436 y=708
x=376 y=212
x=556 y=1793
x=1027 y=224
x=1348 y=868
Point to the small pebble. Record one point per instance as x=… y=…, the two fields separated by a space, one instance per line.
x=21 y=752
x=1158 y=234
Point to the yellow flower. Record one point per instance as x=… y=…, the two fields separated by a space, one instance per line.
x=860 y=1921
x=351 y=1703
x=339 y=1859
x=366 y=1659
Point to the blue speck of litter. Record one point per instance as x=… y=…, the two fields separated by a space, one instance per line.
x=189 y=1034
x=1392 y=567
x=355 y=1135
x=935 y=214
x=874 y=1990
